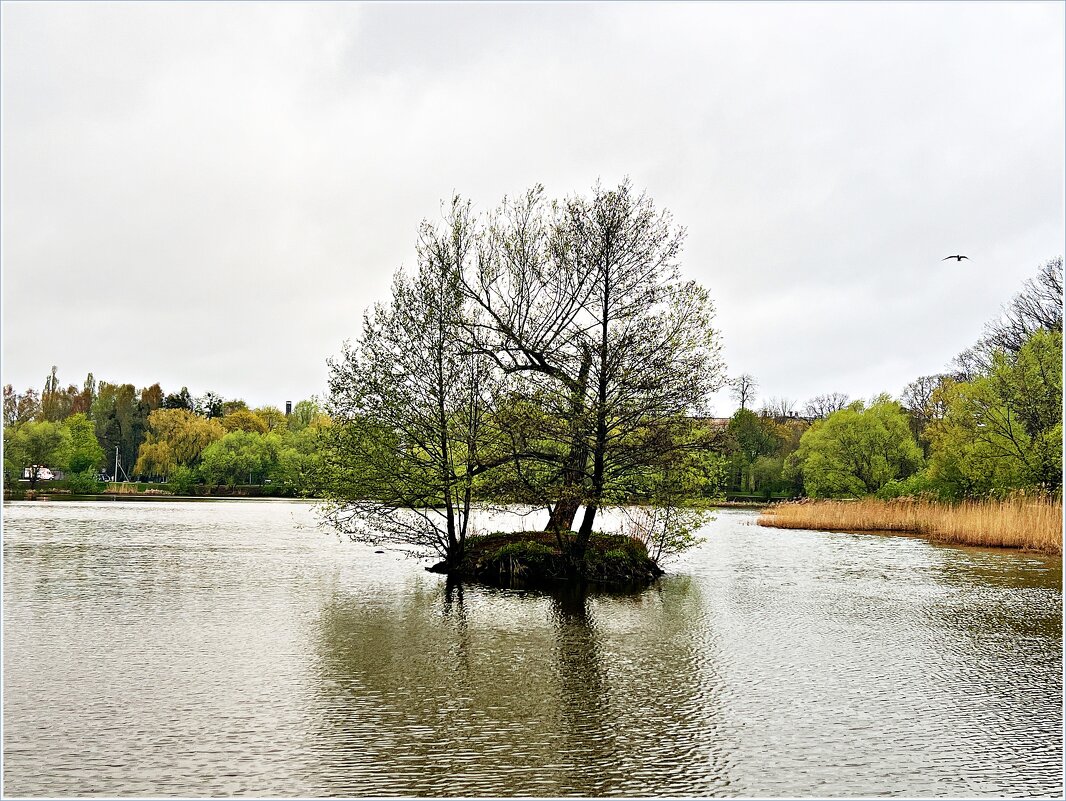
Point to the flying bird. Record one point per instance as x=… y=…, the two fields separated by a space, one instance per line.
x=957 y=258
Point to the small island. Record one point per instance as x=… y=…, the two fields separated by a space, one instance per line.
x=539 y=559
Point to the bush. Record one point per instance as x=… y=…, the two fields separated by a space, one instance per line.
x=919 y=485
x=182 y=480
x=84 y=483
x=524 y=551
x=530 y=558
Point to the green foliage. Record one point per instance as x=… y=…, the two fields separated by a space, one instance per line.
x=86 y=455
x=176 y=437
x=14 y=459
x=663 y=531
x=84 y=483
x=678 y=465
x=302 y=414
x=751 y=435
x=121 y=421
x=1002 y=431
x=918 y=485
x=44 y=444
x=617 y=558
x=299 y=460
x=623 y=547
x=244 y=420
x=856 y=451
x=757 y=448
x=240 y=457
x=524 y=551
x=182 y=480
x=766 y=474
x=272 y=417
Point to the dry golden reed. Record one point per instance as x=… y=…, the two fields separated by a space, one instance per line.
x=121 y=488
x=1033 y=523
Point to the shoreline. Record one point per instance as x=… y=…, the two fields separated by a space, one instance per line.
x=144 y=498
x=1030 y=524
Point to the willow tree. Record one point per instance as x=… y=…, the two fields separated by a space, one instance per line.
x=176 y=438
x=410 y=404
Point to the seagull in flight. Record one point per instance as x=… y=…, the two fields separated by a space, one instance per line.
x=957 y=258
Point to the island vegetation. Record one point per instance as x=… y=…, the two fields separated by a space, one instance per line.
x=547 y=354
x=550 y=355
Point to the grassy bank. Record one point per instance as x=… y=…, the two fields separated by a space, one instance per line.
x=1031 y=523
x=20 y=491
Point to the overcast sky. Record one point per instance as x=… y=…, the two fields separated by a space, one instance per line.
x=209 y=195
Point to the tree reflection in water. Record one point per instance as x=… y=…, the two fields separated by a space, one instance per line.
x=468 y=690
x=585 y=706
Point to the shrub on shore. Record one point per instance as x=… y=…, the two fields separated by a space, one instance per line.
x=1022 y=521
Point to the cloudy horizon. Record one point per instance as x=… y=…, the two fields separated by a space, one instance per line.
x=210 y=195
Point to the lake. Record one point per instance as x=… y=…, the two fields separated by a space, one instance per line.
x=238 y=648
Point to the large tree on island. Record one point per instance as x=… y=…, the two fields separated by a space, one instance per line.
x=531 y=293
x=554 y=344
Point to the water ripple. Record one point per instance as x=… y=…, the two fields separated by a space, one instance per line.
x=234 y=649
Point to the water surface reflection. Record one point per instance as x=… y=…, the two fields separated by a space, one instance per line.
x=485 y=691
x=236 y=649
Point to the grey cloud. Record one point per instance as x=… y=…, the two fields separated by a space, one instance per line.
x=210 y=194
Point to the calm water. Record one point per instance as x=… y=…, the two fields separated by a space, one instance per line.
x=237 y=649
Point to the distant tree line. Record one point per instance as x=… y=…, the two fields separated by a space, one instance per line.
x=150 y=435
x=989 y=426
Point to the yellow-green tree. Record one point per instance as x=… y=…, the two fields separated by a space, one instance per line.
x=176 y=437
x=857 y=450
x=1002 y=431
x=272 y=417
x=244 y=420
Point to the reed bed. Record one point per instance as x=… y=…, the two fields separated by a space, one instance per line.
x=1032 y=523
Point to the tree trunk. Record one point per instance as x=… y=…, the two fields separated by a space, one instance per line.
x=562 y=516
x=599 y=451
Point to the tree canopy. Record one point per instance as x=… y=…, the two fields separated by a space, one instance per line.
x=856 y=450
x=547 y=349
